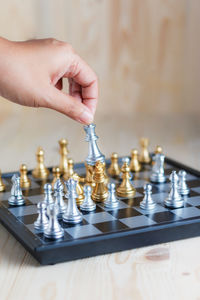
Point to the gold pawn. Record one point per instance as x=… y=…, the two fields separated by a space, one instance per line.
x=2 y=185
x=100 y=191
x=56 y=175
x=79 y=189
x=25 y=182
x=144 y=157
x=135 y=165
x=70 y=171
x=40 y=172
x=63 y=156
x=126 y=189
x=114 y=169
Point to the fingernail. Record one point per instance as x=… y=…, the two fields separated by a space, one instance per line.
x=86 y=117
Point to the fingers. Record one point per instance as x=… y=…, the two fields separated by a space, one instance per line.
x=84 y=76
x=68 y=105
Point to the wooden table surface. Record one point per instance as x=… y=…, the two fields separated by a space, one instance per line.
x=165 y=271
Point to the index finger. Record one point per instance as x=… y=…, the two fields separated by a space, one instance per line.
x=87 y=79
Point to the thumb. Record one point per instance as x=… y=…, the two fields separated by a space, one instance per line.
x=68 y=105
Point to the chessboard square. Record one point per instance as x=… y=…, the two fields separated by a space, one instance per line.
x=196 y=189
x=195 y=201
x=111 y=226
x=133 y=202
x=158 y=208
x=187 y=212
x=4 y=196
x=33 y=192
x=36 y=199
x=124 y=213
x=83 y=231
x=160 y=197
x=163 y=187
x=28 y=219
x=121 y=205
x=191 y=177
x=7 y=205
x=138 y=221
x=163 y=217
x=99 y=217
x=194 y=183
x=138 y=183
x=19 y=211
x=69 y=225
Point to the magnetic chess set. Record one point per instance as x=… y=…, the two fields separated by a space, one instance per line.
x=99 y=206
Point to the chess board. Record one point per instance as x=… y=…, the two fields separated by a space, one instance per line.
x=105 y=230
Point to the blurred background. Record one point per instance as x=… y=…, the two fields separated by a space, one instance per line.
x=147 y=57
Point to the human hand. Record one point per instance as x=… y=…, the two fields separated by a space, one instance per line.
x=31 y=74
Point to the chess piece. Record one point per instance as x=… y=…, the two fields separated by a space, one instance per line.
x=147 y=202
x=54 y=230
x=158 y=150
x=111 y=201
x=88 y=204
x=16 y=197
x=182 y=185
x=79 y=189
x=94 y=153
x=40 y=172
x=59 y=193
x=126 y=189
x=42 y=220
x=158 y=172
x=135 y=165
x=63 y=156
x=25 y=182
x=2 y=185
x=48 y=199
x=72 y=214
x=100 y=191
x=70 y=172
x=144 y=156
x=174 y=199
x=114 y=169
x=56 y=175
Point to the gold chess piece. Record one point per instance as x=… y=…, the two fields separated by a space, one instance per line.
x=126 y=189
x=100 y=191
x=79 y=189
x=135 y=165
x=63 y=156
x=144 y=156
x=25 y=182
x=40 y=172
x=89 y=174
x=2 y=185
x=70 y=171
x=56 y=175
x=114 y=169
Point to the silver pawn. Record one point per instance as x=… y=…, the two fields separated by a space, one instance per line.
x=16 y=197
x=88 y=204
x=48 y=199
x=54 y=230
x=174 y=199
x=72 y=214
x=158 y=175
x=111 y=201
x=182 y=185
x=42 y=221
x=148 y=203
x=58 y=193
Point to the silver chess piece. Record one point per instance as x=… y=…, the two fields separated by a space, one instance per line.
x=174 y=199
x=182 y=185
x=58 y=193
x=158 y=175
x=111 y=201
x=54 y=230
x=48 y=198
x=94 y=153
x=72 y=214
x=88 y=204
x=42 y=220
x=16 y=197
x=147 y=203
